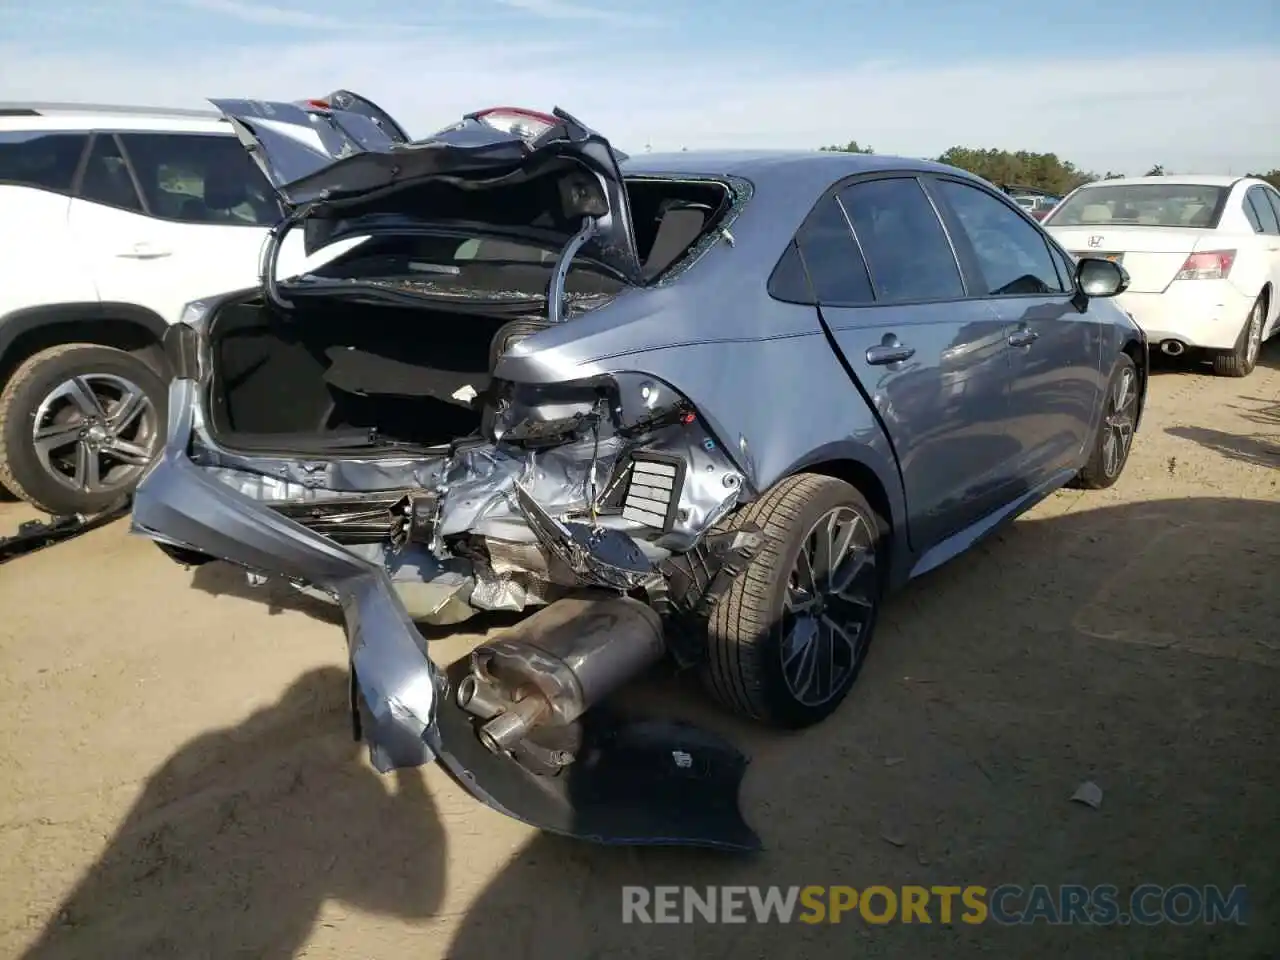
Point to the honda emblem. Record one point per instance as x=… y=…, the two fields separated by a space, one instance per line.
x=1095 y=241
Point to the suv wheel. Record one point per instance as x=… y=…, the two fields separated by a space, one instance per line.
x=79 y=423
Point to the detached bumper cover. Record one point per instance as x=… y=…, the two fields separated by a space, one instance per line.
x=634 y=783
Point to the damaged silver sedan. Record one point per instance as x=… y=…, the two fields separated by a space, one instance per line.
x=706 y=408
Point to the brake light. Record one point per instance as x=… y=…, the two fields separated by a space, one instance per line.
x=318 y=104
x=1207 y=265
x=526 y=124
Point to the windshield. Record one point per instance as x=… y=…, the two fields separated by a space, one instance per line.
x=1142 y=204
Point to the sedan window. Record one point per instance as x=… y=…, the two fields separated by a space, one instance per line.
x=1012 y=254
x=906 y=247
x=1257 y=200
x=830 y=254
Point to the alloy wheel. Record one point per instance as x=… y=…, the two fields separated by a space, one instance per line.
x=96 y=433
x=1119 y=422
x=1254 y=345
x=828 y=608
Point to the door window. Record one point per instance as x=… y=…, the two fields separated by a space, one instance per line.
x=1256 y=198
x=106 y=176
x=1012 y=254
x=907 y=250
x=47 y=161
x=200 y=178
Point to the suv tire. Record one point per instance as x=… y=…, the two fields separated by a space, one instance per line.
x=79 y=424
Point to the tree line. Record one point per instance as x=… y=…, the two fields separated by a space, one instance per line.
x=1043 y=171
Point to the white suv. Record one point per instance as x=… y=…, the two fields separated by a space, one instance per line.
x=114 y=218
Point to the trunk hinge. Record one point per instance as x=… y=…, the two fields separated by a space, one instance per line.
x=270 y=256
x=555 y=294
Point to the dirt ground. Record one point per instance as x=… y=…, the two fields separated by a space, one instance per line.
x=178 y=776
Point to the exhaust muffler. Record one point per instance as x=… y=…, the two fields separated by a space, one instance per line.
x=1173 y=348
x=549 y=669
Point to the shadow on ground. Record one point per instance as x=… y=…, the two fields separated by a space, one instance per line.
x=237 y=841
x=1128 y=646
x=1261 y=448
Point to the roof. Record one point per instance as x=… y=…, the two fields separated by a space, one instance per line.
x=1188 y=179
x=794 y=179
x=27 y=115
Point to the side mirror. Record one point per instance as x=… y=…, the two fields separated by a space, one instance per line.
x=1096 y=277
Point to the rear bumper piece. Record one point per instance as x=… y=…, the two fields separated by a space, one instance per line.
x=1198 y=313
x=634 y=783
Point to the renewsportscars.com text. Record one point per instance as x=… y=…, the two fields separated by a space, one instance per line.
x=1007 y=904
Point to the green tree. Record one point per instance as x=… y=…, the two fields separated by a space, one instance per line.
x=1044 y=171
x=1156 y=171
x=1272 y=178
x=1112 y=176
x=851 y=147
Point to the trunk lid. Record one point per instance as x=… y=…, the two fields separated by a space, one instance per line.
x=1151 y=255
x=343 y=167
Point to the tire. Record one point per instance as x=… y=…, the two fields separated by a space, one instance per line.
x=90 y=430
x=1240 y=360
x=1103 y=467
x=748 y=630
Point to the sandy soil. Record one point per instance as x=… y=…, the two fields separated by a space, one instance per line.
x=178 y=777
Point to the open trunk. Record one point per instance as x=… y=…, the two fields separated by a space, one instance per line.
x=341 y=374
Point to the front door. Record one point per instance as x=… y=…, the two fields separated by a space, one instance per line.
x=933 y=361
x=1055 y=347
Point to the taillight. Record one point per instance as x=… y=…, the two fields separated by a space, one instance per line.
x=526 y=124
x=1207 y=265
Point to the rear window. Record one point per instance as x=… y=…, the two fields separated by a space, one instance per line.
x=1142 y=205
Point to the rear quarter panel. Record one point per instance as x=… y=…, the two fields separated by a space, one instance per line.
x=761 y=373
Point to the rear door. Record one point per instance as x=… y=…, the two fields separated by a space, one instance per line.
x=166 y=218
x=1055 y=346
x=1262 y=209
x=933 y=360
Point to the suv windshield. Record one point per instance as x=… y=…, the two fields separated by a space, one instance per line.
x=1143 y=204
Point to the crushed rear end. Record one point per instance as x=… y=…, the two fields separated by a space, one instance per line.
x=593 y=499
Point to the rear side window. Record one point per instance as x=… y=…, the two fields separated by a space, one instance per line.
x=1012 y=254
x=106 y=176
x=832 y=259
x=906 y=248
x=44 y=160
x=1251 y=214
x=1266 y=217
x=195 y=178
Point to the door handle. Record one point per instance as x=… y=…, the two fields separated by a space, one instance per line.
x=889 y=350
x=144 y=251
x=1023 y=338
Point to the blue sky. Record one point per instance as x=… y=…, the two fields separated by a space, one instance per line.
x=1191 y=86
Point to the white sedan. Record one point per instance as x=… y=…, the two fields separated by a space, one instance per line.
x=1202 y=253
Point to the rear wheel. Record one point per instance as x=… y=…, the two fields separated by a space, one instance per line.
x=79 y=423
x=787 y=641
x=1243 y=357
x=1115 y=433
